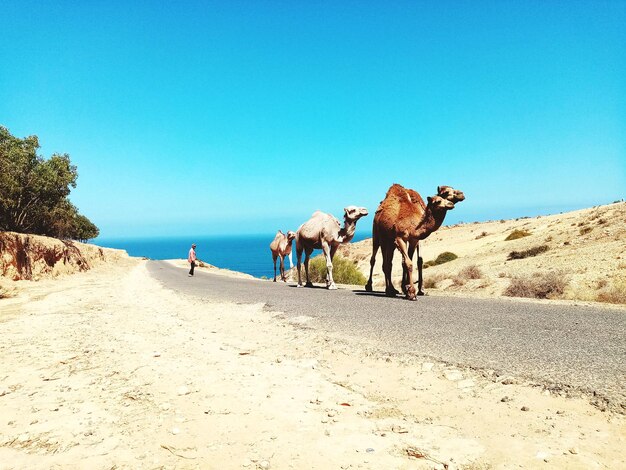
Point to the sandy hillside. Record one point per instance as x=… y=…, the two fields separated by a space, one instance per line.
x=107 y=369
x=586 y=248
x=34 y=257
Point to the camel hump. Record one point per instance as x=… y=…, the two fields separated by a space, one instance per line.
x=415 y=197
x=396 y=190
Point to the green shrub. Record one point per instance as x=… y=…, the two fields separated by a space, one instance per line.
x=534 y=251
x=515 y=234
x=548 y=285
x=444 y=257
x=344 y=271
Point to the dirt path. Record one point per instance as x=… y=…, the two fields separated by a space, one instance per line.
x=108 y=369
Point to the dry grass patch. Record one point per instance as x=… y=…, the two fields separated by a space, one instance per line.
x=467 y=273
x=615 y=294
x=550 y=285
x=470 y=272
x=516 y=234
x=534 y=251
x=432 y=281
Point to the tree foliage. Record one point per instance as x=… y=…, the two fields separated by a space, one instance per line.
x=34 y=191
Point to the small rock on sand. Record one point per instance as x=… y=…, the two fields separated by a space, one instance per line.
x=574 y=450
x=183 y=390
x=453 y=375
x=467 y=383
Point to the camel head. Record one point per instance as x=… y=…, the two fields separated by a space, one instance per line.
x=437 y=203
x=354 y=213
x=451 y=194
x=290 y=236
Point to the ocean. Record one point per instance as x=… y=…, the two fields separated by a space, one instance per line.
x=245 y=253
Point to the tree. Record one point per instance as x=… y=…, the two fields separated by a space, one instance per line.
x=34 y=191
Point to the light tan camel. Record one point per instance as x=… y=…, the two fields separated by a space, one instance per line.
x=401 y=221
x=322 y=231
x=281 y=247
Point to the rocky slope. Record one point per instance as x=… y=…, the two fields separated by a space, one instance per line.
x=32 y=257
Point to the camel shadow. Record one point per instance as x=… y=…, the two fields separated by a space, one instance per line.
x=309 y=287
x=380 y=294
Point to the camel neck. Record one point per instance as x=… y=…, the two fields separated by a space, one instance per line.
x=347 y=231
x=431 y=221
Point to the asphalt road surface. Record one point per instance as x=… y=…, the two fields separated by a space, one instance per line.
x=566 y=346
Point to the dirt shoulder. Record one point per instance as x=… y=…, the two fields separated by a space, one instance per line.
x=107 y=368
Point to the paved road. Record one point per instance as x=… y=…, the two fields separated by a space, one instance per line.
x=577 y=347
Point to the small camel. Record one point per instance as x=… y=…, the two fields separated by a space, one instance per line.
x=281 y=247
x=401 y=220
x=323 y=231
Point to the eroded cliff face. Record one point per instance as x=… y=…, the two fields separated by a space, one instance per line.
x=33 y=257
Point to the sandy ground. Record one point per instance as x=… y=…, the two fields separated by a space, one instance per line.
x=107 y=369
x=585 y=247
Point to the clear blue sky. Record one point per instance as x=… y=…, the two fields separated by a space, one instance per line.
x=245 y=117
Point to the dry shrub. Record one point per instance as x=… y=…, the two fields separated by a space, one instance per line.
x=616 y=294
x=516 y=234
x=482 y=235
x=470 y=272
x=534 y=251
x=585 y=230
x=431 y=281
x=548 y=285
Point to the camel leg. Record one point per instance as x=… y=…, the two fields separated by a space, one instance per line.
x=299 y=258
x=420 y=280
x=274 y=256
x=375 y=246
x=328 y=252
x=405 y=274
x=387 y=265
x=282 y=269
x=407 y=264
x=307 y=255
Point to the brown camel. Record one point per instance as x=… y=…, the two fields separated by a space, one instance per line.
x=401 y=220
x=281 y=247
x=322 y=231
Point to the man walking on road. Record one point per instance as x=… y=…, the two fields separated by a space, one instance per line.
x=192 y=258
